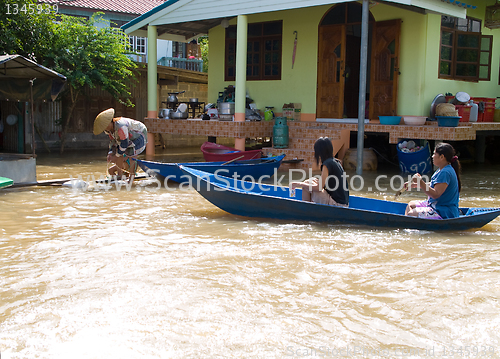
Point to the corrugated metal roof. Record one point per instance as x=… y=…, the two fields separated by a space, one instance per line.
x=137 y=7
x=17 y=66
x=460 y=3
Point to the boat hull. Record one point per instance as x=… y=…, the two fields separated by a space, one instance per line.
x=274 y=202
x=262 y=167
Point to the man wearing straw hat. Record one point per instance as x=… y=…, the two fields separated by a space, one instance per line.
x=128 y=139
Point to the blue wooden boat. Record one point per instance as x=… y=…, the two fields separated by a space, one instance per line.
x=255 y=168
x=269 y=201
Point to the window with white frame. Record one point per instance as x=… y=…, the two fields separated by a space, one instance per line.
x=138 y=44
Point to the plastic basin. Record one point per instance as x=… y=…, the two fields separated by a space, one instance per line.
x=448 y=121
x=389 y=120
x=414 y=120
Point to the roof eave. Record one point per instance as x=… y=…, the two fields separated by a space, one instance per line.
x=168 y=36
x=153 y=17
x=441 y=7
x=142 y=20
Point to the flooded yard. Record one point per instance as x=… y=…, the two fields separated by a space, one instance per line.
x=162 y=273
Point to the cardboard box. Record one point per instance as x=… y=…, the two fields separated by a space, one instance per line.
x=287 y=111
x=297 y=109
x=292 y=111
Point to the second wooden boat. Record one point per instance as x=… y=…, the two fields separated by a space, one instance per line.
x=256 y=169
x=213 y=152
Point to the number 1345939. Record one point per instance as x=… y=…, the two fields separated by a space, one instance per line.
x=30 y=9
x=468 y=351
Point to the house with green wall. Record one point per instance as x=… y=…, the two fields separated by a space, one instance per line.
x=308 y=52
x=341 y=60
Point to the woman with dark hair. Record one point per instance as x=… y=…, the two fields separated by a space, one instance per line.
x=443 y=189
x=331 y=188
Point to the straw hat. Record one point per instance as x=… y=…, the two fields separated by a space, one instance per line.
x=102 y=120
x=446 y=109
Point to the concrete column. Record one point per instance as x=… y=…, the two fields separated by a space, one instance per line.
x=480 y=148
x=152 y=86
x=437 y=142
x=241 y=76
x=362 y=86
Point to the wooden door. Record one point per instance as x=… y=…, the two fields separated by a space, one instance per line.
x=384 y=68
x=331 y=68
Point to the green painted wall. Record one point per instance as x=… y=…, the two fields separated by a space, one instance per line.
x=434 y=85
x=297 y=84
x=419 y=52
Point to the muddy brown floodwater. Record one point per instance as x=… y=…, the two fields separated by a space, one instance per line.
x=162 y=273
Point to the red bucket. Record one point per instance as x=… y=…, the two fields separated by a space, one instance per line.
x=489 y=109
x=463 y=111
x=488 y=115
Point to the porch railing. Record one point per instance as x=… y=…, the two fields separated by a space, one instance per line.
x=179 y=63
x=139 y=58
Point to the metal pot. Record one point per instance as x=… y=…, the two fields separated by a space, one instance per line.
x=178 y=115
x=193 y=99
x=226 y=108
x=172 y=96
x=165 y=113
x=461 y=98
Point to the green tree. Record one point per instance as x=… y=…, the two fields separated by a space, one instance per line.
x=90 y=53
x=26 y=28
x=203 y=41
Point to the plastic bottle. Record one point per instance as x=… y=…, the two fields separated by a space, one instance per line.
x=268 y=113
x=473 y=111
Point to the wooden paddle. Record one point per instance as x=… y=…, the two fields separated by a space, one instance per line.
x=405 y=188
x=123 y=169
x=56 y=182
x=234 y=159
x=398 y=193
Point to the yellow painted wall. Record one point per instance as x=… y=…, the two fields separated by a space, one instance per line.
x=297 y=84
x=419 y=54
x=434 y=85
x=419 y=60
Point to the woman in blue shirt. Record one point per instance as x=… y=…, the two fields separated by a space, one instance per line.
x=443 y=189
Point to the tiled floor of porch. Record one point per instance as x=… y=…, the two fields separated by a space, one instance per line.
x=302 y=134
